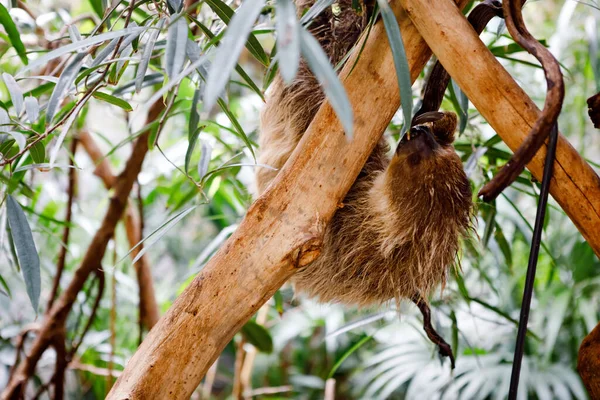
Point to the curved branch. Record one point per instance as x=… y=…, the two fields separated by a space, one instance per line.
x=552 y=106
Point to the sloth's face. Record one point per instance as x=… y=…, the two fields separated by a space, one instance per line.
x=427 y=170
x=418 y=144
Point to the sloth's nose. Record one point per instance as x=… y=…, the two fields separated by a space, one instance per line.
x=419 y=138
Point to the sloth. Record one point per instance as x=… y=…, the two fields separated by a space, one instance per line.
x=399 y=226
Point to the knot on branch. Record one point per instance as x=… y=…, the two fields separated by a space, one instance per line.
x=307 y=252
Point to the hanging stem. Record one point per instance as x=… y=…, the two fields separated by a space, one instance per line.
x=531 y=267
x=547 y=119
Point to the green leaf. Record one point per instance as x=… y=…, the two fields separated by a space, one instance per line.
x=98 y=7
x=319 y=64
x=225 y=12
x=347 y=354
x=27 y=255
x=454 y=334
x=5 y=286
x=113 y=100
x=228 y=53
x=236 y=125
x=503 y=244
x=278 y=298
x=38 y=152
x=157 y=234
x=258 y=336
x=400 y=61
x=238 y=68
x=13 y=33
x=66 y=80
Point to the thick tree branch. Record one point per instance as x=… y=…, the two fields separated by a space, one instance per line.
x=508 y=109
x=149 y=312
x=55 y=319
x=588 y=363
x=281 y=232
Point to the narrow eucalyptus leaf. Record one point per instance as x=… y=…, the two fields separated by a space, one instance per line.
x=79 y=46
x=65 y=129
x=175 y=81
x=16 y=94
x=233 y=41
x=13 y=34
x=32 y=109
x=176 y=45
x=74 y=34
x=149 y=80
x=316 y=9
x=400 y=61
x=63 y=85
x=28 y=258
x=158 y=233
x=19 y=138
x=176 y=5
x=253 y=45
x=287 y=39
x=146 y=54
x=194 y=116
x=204 y=159
x=110 y=47
x=38 y=153
x=4 y=120
x=319 y=64
x=191 y=145
x=193 y=53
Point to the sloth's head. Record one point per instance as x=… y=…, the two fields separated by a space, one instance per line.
x=429 y=178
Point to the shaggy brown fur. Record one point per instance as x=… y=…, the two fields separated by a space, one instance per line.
x=401 y=222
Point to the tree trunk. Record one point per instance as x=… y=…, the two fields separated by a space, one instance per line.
x=283 y=228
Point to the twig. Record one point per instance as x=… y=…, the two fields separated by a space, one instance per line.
x=101 y=282
x=113 y=320
x=445 y=349
x=261 y=318
x=238 y=385
x=438 y=79
x=209 y=381
x=60 y=265
x=552 y=106
x=330 y=389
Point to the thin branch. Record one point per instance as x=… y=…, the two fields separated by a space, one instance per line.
x=100 y=291
x=62 y=256
x=439 y=78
